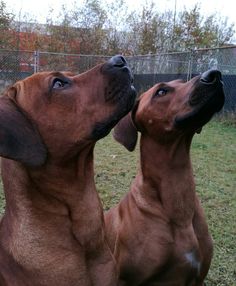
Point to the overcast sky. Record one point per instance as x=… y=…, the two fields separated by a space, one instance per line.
x=40 y=8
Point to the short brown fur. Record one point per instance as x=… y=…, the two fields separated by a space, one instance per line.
x=158 y=232
x=52 y=232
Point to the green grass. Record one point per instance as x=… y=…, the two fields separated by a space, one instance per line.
x=214 y=161
x=2 y=203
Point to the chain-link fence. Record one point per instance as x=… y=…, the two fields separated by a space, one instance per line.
x=15 y=65
x=148 y=69
x=151 y=69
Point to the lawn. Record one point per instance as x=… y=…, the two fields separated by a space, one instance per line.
x=214 y=161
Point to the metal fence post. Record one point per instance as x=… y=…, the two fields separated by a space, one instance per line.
x=36 y=61
x=190 y=64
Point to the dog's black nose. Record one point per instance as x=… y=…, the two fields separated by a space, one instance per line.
x=118 y=61
x=211 y=76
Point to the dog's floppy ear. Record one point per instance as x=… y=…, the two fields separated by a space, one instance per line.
x=126 y=133
x=19 y=139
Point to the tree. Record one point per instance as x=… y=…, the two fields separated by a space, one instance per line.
x=89 y=19
x=194 y=31
x=116 y=37
x=144 y=26
x=62 y=37
x=95 y=28
x=6 y=20
x=154 y=32
x=224 y=31
x=148 y=30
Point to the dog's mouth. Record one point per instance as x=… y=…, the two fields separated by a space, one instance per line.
x=120 y=87
x=206 y=98
x=120 y=92
x=120 y=80
x=125 y=101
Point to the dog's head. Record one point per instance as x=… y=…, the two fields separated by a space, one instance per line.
x=57 y=114
x=172 y=108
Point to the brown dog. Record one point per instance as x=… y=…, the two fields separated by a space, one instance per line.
x=52 y=232
x=158 y=232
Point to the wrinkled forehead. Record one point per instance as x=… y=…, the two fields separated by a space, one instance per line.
x=44 y=76
x=176 y=82
x=41 y=80
x=32 y=80
x=173 y=83
x=172 y=86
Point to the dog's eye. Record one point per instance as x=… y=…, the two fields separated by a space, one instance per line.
x=58 y=83
x=161 y=92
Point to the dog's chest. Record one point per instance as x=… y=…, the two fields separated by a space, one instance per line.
x=186 y=254
x=182 y=263
x=182 y=267
x=46 y=255
x=193 y=260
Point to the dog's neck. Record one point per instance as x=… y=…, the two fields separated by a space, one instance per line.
x=59 y=190
x=166 y=178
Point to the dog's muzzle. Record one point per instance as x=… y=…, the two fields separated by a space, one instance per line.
x=207 y=97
